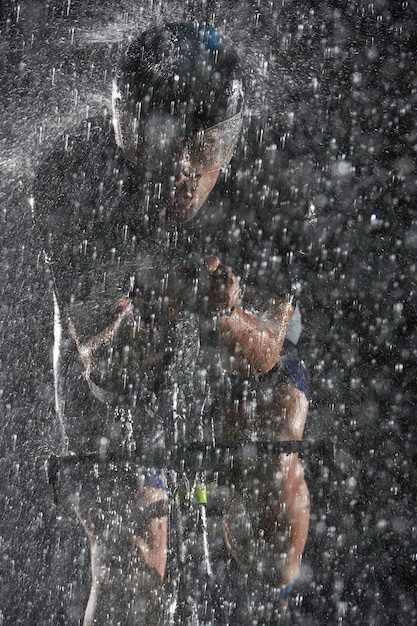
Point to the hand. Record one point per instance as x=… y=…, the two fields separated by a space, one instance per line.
x=224 y=289
x=212 y=289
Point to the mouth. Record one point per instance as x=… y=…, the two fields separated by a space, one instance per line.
x=181 y=205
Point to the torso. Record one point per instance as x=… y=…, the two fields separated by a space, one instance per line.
x=90 y=210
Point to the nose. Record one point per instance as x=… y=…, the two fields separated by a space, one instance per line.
x=185 y=175
x=187 y=182
x=182 y=178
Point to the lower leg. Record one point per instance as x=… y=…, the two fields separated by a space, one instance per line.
x=152 y=543
x=125 y=586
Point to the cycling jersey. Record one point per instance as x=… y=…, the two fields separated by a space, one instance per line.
x=106 y=251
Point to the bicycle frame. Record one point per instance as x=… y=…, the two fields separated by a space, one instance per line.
x=188 y=534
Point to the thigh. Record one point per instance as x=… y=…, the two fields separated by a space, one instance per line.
x=270 y=408
x=266 y=522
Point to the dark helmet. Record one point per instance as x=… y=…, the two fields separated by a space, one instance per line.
x=186 y=73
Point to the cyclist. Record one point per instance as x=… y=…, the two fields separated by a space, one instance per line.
x=131 y=255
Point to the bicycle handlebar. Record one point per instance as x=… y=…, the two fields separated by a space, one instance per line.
x=198 y=456
x=194 y=457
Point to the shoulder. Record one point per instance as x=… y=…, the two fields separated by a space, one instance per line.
x=77 y=186
x=76 y=153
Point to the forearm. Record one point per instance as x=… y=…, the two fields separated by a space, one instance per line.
x=118 y=339
x=254 y=334
x=95 y=348
x=251 y=342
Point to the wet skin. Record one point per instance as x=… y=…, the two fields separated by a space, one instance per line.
x=179 y=196
x=190 y=193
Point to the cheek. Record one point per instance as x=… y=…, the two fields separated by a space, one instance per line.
x=205 y=185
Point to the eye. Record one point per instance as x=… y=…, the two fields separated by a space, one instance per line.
x=192 y=176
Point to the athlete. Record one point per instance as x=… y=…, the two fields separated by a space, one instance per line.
x=138 y=244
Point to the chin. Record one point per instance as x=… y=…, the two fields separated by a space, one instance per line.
x=183 y=216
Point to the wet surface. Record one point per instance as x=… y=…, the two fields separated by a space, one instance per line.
x=331 y=94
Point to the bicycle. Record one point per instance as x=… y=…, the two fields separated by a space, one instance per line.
x=189 y=452
x=193 y=595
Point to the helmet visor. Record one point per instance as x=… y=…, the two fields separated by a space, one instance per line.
x=157 y=140
x=212 y=149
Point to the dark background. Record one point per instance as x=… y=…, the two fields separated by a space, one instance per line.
x=339 y=92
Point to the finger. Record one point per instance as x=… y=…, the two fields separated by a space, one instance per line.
x=212 y=263
x=222 y=298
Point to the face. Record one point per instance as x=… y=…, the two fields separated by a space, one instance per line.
x=189 y=193
x=178 y=171
x=180 y=196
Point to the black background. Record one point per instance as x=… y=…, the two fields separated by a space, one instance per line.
x=339 y=93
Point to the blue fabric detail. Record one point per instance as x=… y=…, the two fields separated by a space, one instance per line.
x=286 y=592
x=155 y=478
x=260 y=594
x=211 y=38
x=296 y=373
